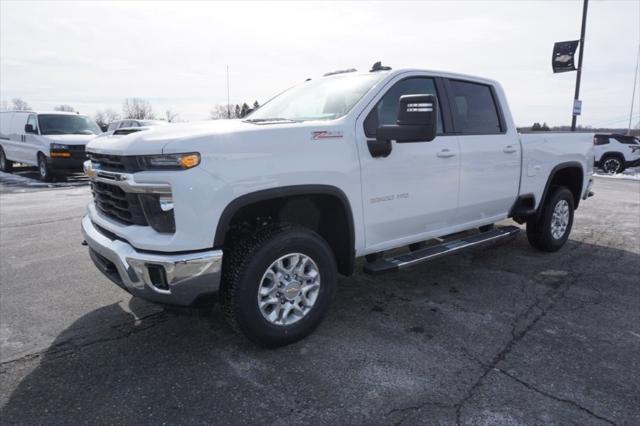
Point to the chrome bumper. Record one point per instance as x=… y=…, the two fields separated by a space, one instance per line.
x=173 y=279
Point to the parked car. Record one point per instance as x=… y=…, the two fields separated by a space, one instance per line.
x=614 y=153
x=131 y=123
x=267 y=210
x=52 y=141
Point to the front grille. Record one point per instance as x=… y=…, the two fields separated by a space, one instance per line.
x=116 y=204
x=77 y=151
x=114 y=163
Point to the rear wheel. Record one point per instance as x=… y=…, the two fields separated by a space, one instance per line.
x=44 y=171
x=550 y=230
x=5 y=165
x=612 y=164
x=278 y=284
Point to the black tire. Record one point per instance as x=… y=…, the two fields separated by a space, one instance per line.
x=44 y=171
x=539 y=230
x=5 y=165
x=612 y=164
x=246 y=262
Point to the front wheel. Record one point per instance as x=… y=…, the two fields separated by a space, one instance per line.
x=44 y=171
x=5 y=165
x=278 y=284
x=550 y=230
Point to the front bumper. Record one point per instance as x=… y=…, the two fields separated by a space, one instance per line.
x=70 y=164
x=171 y=279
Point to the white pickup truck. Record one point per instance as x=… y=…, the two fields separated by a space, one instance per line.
x=267 y=210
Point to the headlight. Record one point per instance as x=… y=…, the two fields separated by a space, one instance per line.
x=58 y=150
x=59 y=147
x=169 y=161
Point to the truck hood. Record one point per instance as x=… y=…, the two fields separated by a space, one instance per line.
x=70 y=139
x=209 y=136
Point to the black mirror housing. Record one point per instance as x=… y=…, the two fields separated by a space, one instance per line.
x=417 y=120
x=28 y=128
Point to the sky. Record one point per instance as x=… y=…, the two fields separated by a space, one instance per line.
x=92 y=55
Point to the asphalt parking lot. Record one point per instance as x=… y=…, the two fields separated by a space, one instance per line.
x=501 y=335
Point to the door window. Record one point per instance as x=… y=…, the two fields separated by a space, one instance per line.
x=33 y=121
x=474 y=108
x=386 y=110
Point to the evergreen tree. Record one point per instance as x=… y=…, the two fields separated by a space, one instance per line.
x=245 y=110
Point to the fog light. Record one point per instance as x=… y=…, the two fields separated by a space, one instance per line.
x=157 y=276
x=166 y=203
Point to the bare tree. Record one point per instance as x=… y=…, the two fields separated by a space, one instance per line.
x=137 y=108
x=19 y=104
x=105 y=117
x=171 y=116
x=63 y=107
x=219 y=112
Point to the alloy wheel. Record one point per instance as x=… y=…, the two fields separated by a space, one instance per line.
x=560 y=219
x=289 y=289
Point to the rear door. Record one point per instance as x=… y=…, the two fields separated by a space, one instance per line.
x=17 y=136
x=490 y=154
x=6 y=129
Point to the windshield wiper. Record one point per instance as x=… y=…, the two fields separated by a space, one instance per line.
x=265 y=120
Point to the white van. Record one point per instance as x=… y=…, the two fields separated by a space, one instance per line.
x=53 y=141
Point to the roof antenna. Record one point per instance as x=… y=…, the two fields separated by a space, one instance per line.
x=379 y=67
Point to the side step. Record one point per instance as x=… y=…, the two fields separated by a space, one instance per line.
x=450 y=247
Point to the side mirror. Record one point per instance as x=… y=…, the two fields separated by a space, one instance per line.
x=417 y=121
x=28 y=128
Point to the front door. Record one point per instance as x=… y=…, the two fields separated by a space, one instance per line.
x=412 y=193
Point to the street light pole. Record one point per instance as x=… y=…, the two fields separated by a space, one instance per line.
x=579 y=73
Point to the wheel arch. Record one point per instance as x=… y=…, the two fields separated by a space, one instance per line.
x=570 y=175
x=334 y=223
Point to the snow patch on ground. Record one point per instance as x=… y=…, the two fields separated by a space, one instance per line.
x=632 y=173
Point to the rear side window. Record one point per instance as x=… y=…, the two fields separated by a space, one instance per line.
x=628 y=140
x=474 y=108
x=113 y=126
x=386 y=110
x=602 y=140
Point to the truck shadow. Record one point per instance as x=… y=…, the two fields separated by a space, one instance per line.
x=421 y=334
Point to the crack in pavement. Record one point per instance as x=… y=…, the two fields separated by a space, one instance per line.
x=543 y=304
x=555 y=398
x=552 y=297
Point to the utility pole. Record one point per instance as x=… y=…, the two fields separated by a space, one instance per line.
x=579 y=74
x=228 y=102
x=633 y=95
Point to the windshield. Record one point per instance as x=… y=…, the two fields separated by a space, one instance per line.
x=323 y=99
x=63 y=124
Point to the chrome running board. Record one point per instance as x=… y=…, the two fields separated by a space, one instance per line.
x=440 y=250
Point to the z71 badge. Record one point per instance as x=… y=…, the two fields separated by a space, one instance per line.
x=326 y=134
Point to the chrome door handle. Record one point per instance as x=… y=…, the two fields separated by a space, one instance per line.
x=509 y=149
x=445 y=153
